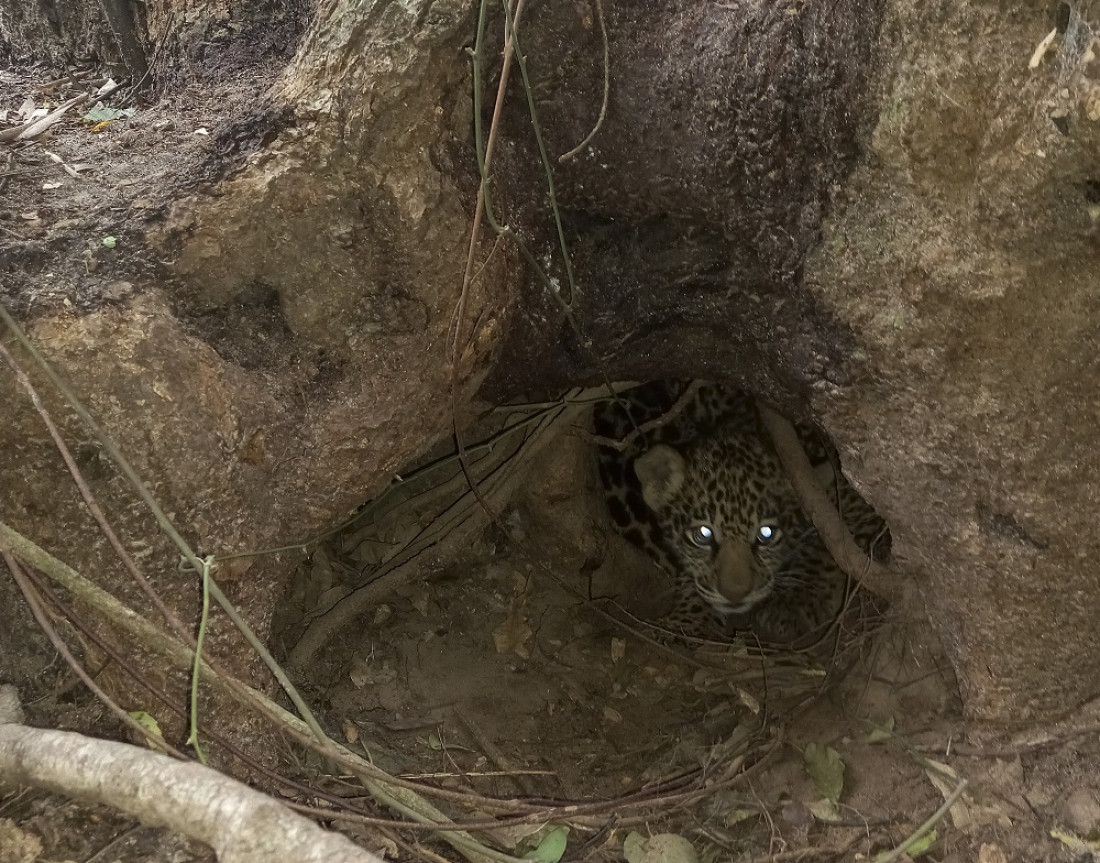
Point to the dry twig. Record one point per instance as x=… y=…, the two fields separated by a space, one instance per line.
x=668 y=416
x=929 y=823
x=565 y=157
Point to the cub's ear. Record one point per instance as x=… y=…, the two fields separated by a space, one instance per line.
x=661 y=471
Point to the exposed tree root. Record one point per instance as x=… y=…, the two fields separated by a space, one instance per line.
x=241 y=825
x=814 y=499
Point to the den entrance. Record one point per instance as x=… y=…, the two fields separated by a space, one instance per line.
x=506 y=644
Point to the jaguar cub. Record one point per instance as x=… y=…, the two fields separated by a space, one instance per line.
x=698 y=487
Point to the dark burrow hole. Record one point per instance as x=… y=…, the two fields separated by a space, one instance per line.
x=499 y=643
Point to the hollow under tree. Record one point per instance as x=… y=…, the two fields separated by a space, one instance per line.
x=860 y=210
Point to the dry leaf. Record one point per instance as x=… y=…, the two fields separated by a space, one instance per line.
x=662 y=848
x=513 y=634
x=381 y=614
x=522 y=587
x=43 y=124
x=882 y=731
x=1041 y=49
x=946 y=781
x=825 y=810
x=749 y=700
x=417 y=593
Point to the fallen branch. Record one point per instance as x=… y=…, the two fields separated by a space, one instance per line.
x=241 y=825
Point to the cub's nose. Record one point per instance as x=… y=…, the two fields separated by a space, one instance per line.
x=738 y=574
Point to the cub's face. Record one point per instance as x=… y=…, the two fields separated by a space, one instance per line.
x=728 y=516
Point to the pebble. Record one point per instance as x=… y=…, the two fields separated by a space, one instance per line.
x=1080 y=811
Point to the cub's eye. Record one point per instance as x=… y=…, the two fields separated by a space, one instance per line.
x=766 y=534
x=701 y=535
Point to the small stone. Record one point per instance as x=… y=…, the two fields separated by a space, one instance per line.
x=991 y=853
x=118 y=290
x=1092 y=104
x=1080 y=812
x=796 y=813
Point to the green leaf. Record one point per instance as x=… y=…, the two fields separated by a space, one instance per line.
x=825 y=810
x=922 y=844
x=1075 y=842
x=551 y=848
x=736 y=816
x=915 y=848
x=102 y=114
x=109 y=242
x=148 y=722
x=825 y=767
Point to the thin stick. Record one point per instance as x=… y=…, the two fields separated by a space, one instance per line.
x=931 y=822
x=479 y=207
x=565 y=157
x=495 y=754
x=668 y=416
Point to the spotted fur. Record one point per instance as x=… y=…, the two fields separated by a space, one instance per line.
x=700 y=489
